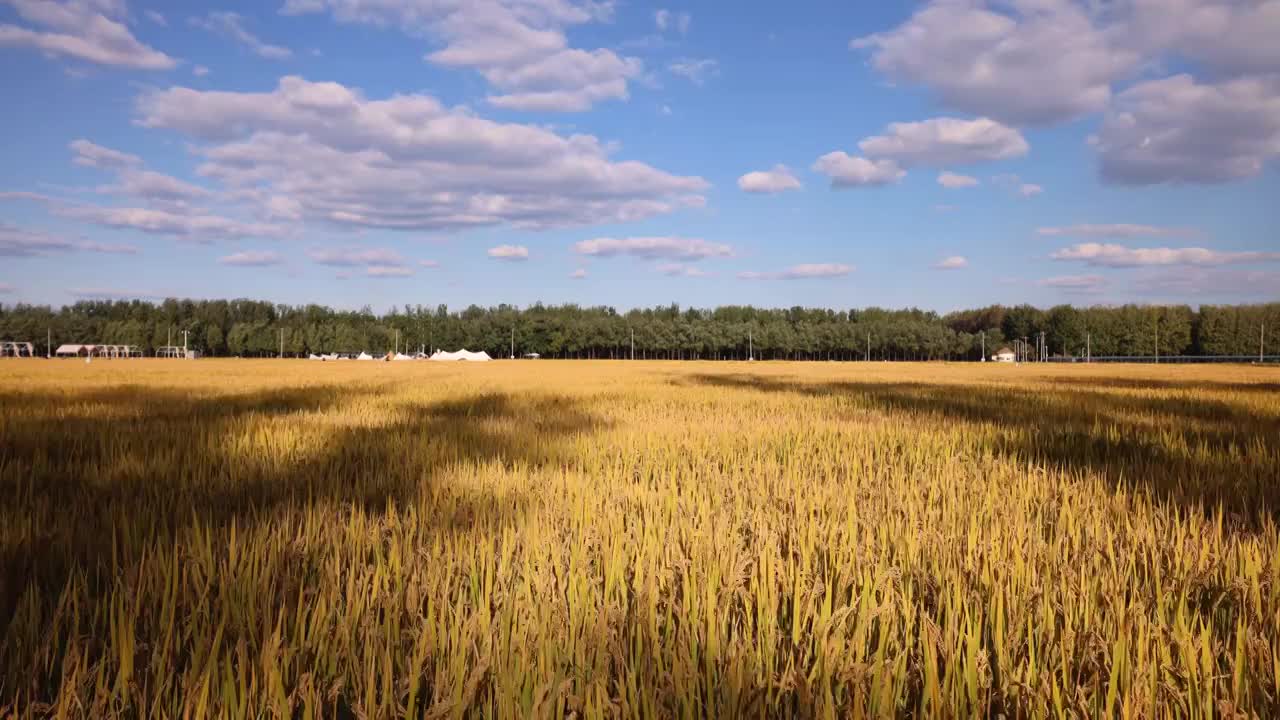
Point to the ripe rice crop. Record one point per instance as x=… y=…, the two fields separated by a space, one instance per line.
x=539 y=539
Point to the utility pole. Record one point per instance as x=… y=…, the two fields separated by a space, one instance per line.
x=48 y=345
x=281 y=343
x=1088 y=348
x=984 y=346
x=513 y=342
x=751 y=348
x=184 y=343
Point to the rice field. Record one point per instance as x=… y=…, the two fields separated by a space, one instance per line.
x=637 y=539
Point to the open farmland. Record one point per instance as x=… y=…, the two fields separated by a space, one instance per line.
x=534 y=539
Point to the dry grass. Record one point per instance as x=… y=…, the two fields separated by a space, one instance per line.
x=292 y=539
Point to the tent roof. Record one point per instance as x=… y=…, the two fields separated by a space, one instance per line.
x=462 y=354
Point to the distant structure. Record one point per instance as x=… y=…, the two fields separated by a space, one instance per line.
x=17 y=349
x=1004 y=355
x=176 y=351
x=102 y=351
x=462 y=354
x=75 y=350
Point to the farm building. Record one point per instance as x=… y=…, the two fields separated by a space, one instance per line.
x=1004 y=354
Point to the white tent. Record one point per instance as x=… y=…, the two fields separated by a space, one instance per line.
x=364 y=356
x=73 y=350
x=462 y=354
x=402 y=356
x=17 y=349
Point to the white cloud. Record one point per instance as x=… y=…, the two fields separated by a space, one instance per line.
x=153 y=185
x=511 y=253
x=776 y=180
x=955 y=262
x=5 y=288
x=199 y=71
x=231 y=25
x=388 y=271
x=578 y=274
x=156 y=18
x=1182 y=282
x=568 y=81
x=1178 y=130
x=355 y=256
x=28 y=196
x=408 y=162
x=801 y=272
x=132 y=179
x=1109 y=255
x=22 y=242
x=945 y=141
x=650 y=248
x=675 y=269
x=1116 y=230
x=276 y=207
x=846 y=171
x=89 y=154
x=1021 y=61
x=429 y=263
x=696 y=70
x=1228 y=36
x=89 y=30
x=954 y=181
x=1076 y=284
x=197 y=226
x=178 y=221
x=1015 y=185
x=665 y=19
x=252 y=258
x=519 y=46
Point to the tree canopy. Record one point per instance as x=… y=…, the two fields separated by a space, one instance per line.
x=257 y=328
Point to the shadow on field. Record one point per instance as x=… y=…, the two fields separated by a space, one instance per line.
x=91 y=479
x=1198 y=454
x=1121 y=383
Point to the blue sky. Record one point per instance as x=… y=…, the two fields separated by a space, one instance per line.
x=940 y=154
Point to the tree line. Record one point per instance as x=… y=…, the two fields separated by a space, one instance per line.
x=261 y=329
